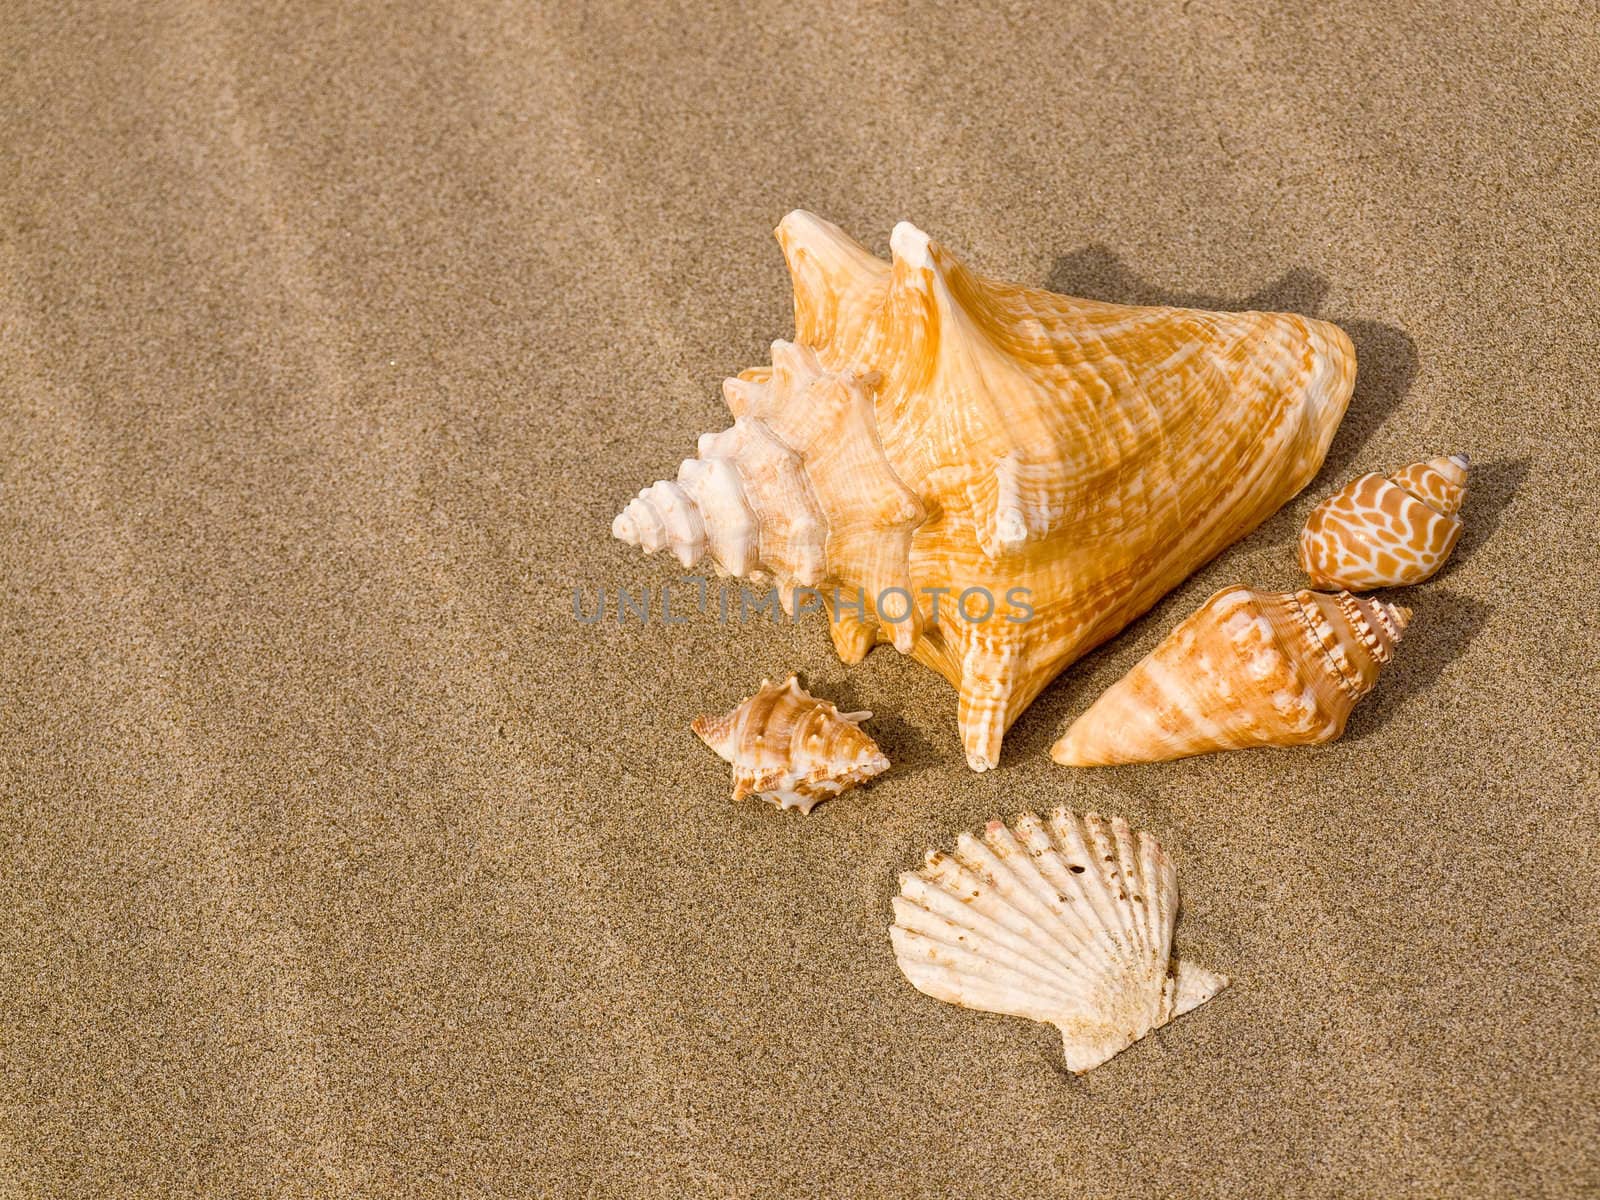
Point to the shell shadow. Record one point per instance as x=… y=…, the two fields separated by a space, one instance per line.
x=1445 y=624
x=1490 y=490
x=1386 y=357
x=1055 y=1057
x=1098 y=274
x=908 y=750
x=1065 y=697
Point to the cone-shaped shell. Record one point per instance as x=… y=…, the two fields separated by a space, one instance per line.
x=1379 y=531
x=994 y=478
x=1248 y=669
x=791 y=749
x=1066 y=920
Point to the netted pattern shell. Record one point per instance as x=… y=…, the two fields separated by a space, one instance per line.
x=1066 y=920
x=1381 y=531
x=1248 y=669
x=790 y=748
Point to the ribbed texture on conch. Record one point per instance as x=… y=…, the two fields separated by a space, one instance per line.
x=1066 y=920
x=1248 y=669
x=1379 y=531
x=663 y=515
x=1063 y=461
x=798 y=491
x=790 y=748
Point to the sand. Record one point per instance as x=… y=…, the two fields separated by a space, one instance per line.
x=338 y=859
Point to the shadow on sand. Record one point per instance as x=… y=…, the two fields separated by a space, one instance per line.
x=903 y=742
x=1490 y=489
x=1443 y=625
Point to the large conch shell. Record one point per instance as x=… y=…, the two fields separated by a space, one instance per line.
x=1067 y=920
x=791 y=749
x=995 y=479
x=1379 y=531
x=1248 y=669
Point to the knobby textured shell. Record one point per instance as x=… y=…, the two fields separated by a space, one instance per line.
x=791 y=749
x=993 y=478
x=1249 y=669
x=1066 y=920
x=1381 y=531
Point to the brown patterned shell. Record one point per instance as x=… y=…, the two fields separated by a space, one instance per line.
x=1381 y=531
x=791 y=749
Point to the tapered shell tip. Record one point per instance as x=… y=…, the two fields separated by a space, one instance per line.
x=1248 y=669
x=910 y=245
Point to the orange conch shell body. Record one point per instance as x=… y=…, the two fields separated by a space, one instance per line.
x=932 y=435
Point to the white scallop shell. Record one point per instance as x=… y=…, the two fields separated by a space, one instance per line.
x=1066 y=920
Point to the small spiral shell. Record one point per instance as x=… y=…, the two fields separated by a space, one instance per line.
x=791 y=749
x=1381 y=531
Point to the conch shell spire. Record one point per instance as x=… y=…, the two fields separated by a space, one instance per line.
x=1249 y=669
x=798 y=483
x=993 y=478
x=664 y=515
x=1379 y=531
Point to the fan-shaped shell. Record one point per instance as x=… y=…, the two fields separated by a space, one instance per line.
x=1249 y=669
x=1066 y=920
x=1379 y=531
x=994 y=478
x=791 y=749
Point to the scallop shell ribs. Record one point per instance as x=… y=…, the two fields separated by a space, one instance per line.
x=791 y=749
x=1379 y=531
x=1249 y=669
x=993 y=478
x=1066 y=920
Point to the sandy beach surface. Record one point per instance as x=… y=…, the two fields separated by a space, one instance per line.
x=337 y=858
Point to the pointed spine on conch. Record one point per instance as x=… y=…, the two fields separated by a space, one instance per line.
x=837 y=281
x=989 y=668
x=1248 y=669
x=1386 y=531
